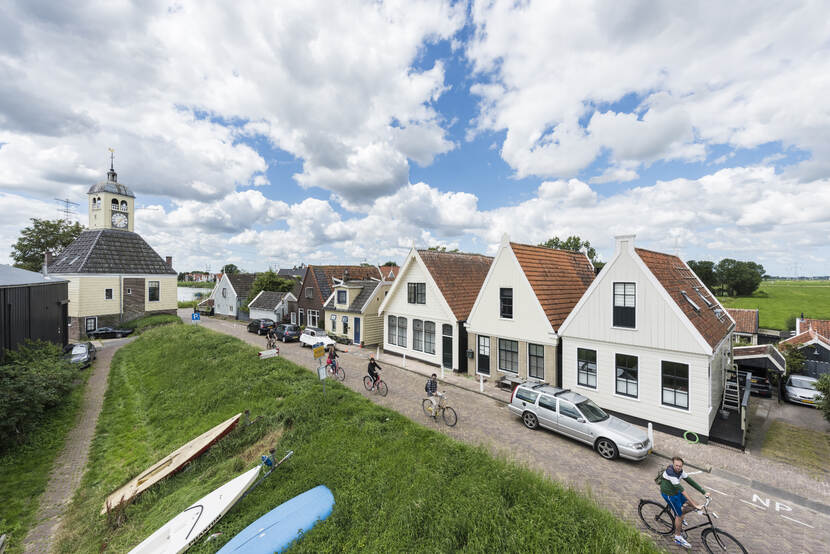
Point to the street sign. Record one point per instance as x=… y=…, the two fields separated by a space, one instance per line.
x=319 y=351
x=195 y=316
x=321 y=372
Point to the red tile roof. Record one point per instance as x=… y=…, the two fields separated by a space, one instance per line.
x=459 y=276
x=559 y=278
x=805 y=337
x=676 y=278
x=746 y=321
x=821 y=326
x=387 y=269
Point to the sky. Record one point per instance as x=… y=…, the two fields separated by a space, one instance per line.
x=269 y=134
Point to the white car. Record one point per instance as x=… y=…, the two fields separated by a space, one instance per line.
x=312 y=336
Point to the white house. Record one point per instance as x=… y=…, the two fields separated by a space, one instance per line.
x=230 y=293
x=272 y=305
x=428 y=304
x=528 y=293
x=649 y=342
x=352 y=310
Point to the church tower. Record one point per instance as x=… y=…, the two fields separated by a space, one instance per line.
x=111 y=204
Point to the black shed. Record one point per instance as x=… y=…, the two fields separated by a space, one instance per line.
x=33 y=307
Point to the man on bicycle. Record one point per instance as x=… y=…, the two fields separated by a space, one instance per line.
x=272 y=336
x=431 y=389
x=373 y=371
x=679 y=502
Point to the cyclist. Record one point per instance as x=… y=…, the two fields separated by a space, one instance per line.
x=674 y=494
x=431 y=388
x=373 y=371
x=272 y=336
x=332 y=359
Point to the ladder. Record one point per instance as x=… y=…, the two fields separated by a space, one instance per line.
x=731 y=390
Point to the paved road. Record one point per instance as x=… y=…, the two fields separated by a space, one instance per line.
x=761 y=521
x=70 y=464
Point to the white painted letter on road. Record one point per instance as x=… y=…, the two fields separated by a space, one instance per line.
x=779 y=507
x=759 y=500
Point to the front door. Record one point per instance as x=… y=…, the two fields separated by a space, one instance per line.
x=447 y=340
x=357 y=330
x=484 y=355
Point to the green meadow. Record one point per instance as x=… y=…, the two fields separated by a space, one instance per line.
x=398 y=486
x=780 y=300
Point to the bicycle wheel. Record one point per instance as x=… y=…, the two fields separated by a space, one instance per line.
x=450 y=417
x=340 y=374
x=427 y=407
x=367 y=382
x=656 y=517
x=716 y=540
x=382 y=388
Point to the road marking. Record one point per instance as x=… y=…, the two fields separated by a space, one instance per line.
x=751 y=504
x=795 y=520
x=717 y=491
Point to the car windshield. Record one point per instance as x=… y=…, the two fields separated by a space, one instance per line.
x=591 y=411
x=78 y=349
x=802 y=383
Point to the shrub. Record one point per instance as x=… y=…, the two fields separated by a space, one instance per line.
x=35 y=378
x=823 y=386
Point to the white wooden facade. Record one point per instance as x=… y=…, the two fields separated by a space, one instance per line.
x=662 y=333
x=225 y=298
x=276 y=313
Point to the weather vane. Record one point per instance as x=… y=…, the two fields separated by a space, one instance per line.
x=112 y=157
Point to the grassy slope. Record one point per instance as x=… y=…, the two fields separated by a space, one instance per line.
x=24 y=471
x=398 y=486
x=779 y=300
x=143 y=323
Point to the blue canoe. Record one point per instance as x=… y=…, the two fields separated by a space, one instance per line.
x=277 y=529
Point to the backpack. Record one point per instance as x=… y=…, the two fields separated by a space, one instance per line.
x=426 y=387
x=659 y=478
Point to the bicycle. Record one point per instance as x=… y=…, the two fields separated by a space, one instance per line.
x=447 y=413
x=335 y=370
x=270 y=343
x=659 y=518
x=378 y=385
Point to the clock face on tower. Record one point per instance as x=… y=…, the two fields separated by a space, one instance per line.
x=119 y=221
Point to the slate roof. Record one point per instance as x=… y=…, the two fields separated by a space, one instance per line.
x=326 y=273
x=676 y=278
x=559 y=278
x=746 y=321
x=367 y=289
x=242 y=283
x=821 y=326
x=111 y=186
x=110 y=251
x=14 y=276
x=268 y=300
x=459 y=277
x=299 y=273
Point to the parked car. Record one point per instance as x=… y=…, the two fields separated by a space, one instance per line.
x=759 y=384
x=802 y=390
x=575 y=416
x=312 y=336
x=108 y=333
x=82 y=353
x=287 y=332
x=260 y=326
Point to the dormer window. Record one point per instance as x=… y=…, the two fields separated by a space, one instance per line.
x=341 y=297
x=625 y=305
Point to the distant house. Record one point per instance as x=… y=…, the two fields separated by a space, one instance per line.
x=427 y=306
x=198 y=277
x=317 y=287
x=746 y=325
x=34 y=307
x=293 y=273
x=649 y=342
x=272 y=305
x=230 y=293
x=352 y=310
x=813 y=339
x=528 y=293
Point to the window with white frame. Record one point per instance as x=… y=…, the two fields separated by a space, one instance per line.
x=627 y=375
x=91 y=323
x=624 y=305
x=333 y=323
x=536 y=361
x=312 y=317
x=301 y=316
x=586 y=364
x=402 y=331
x=418 y=335
x=675 y=384
x=309 y=292
x=416 y=293
x=509 y=355
x=153 y=291
x=429 y=337
x=341 y=297
x=224 y=292
x=506 y=303
x=293 y=318
x=108 y=294
x=392 y=329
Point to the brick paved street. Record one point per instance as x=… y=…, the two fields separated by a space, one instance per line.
x=763 y=522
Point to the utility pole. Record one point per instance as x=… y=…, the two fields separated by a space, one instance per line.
x=66 y=209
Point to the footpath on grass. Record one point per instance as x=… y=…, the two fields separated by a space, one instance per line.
x=69 y=465
x=749 y=493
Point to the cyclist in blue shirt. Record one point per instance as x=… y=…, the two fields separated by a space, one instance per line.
x=673 y=493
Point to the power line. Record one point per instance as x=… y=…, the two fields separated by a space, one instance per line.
x=66 y=209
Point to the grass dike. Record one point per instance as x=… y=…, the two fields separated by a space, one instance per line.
x=398 y=486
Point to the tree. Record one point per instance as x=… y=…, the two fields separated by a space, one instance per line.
x=230 y=269
x=739 y=278
x=43 y=236
x=823 y=386
x=573 y=243
x=705 y=271
x=794 y=357
x=269 y=281
x=441 y=249
x=390 y=263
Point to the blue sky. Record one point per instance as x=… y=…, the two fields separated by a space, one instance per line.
x=322 y=132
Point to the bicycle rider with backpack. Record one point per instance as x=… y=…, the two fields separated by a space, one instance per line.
x=373 y=371
x=431 y=388
x=673 y=493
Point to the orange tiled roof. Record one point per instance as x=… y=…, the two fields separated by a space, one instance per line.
x=675 y=277
x=805 y=337
x=820 y=326
x=746 y=321
x=386 y=269
x=459 y=276
x=559 y=278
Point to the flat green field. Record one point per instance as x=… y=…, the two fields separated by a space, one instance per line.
x=398 y=486
x=780 y=300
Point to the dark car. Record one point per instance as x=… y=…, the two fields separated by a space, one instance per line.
x=108 y=333
x=82 y=353
x=288 y=332
x=759 y=384
x=260 y=326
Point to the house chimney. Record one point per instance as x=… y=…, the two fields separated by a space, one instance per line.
x=346 y=274
x=47 y=261
x=624 y=242
x=169 y=260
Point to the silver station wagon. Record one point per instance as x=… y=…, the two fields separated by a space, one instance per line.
x=573 y=415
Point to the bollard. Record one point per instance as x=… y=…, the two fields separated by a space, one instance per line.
x=442 y=372
x=481 y=383
x=651 y=435
x=404 y=361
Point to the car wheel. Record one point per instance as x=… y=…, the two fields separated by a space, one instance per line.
x=118 y=335
x=530 y=420
x=607 y=449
